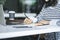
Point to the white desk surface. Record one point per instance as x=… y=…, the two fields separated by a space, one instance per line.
x=9 y=31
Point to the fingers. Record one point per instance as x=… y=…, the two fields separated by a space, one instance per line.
x=27 y=21
x=38 y=24
x=41 y=23
x=44 y=22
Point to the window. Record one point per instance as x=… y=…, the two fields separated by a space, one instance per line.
x=19 y=7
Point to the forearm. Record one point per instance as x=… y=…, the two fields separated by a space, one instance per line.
x=39 y=18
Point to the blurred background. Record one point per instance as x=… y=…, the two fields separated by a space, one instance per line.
x=17 y=6
x=20 y=7
x=30 y=7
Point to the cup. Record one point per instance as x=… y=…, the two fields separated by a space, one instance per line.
x=11 y=15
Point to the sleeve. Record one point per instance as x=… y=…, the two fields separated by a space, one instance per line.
x=44 y=14
x=39 y=17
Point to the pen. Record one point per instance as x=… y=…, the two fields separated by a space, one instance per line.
x=26 y=16
x=22 y=27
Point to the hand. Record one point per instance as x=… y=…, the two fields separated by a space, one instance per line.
x=38 y=24
x=27 y=21
x=44 y=22
x=41 y=23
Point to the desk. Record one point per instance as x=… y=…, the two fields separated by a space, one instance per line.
x=9 y=31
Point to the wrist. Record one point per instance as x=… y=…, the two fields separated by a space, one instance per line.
x=34 y=20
